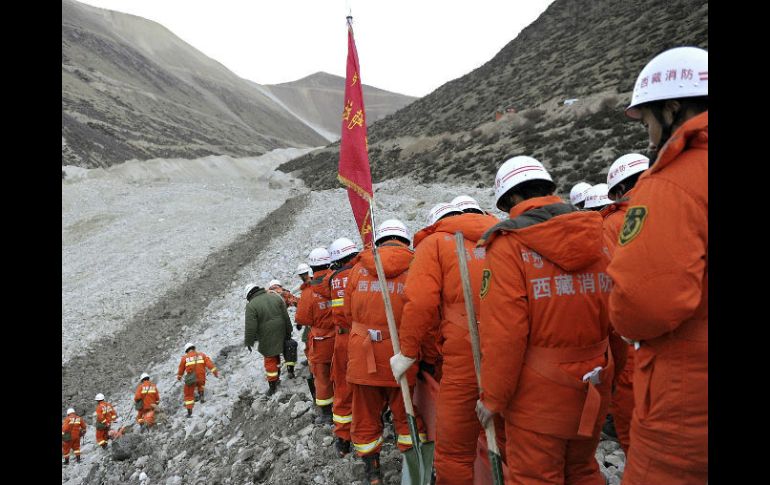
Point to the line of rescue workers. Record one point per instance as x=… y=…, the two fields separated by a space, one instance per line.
x=588 y=307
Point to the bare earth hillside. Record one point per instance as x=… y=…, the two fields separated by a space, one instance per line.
x=131 y=89
x=591 y=50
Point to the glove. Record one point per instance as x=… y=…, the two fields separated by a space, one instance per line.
x=484 y=414
x=635 y=343
x=179 y=378
x=399 y=364
x=216 y=375
x=249 y=347
x=298 y=326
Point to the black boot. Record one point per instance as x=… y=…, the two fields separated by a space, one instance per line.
x=609 y=427
x=273 y=387
x=66 y=460
x=77 y=458
x=373 y=473
x=324 y=415
x=189 y=412
x=342 y=446
x=290 y=370
x=201 y=395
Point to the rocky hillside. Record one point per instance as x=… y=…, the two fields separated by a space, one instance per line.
x=591 y=50
x=318 y=99
x=132 y=89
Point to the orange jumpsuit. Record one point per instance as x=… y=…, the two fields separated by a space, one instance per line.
x=147 y=391
x=370 y=349
x=197 y=362
x=343 y=400
x=315 y=309
x=543 y=326
x=106 y=415
x=660 y=297
x=622 y=402
x=435 y=299
x=76 y=426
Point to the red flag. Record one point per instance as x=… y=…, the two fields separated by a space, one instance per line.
x=354 y=170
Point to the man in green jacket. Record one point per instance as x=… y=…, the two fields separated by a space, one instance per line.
x=267 y=321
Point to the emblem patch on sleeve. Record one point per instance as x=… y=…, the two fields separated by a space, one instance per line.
x=632 y=225
x=485 y=276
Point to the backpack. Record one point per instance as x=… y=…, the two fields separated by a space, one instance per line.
x=190 y=379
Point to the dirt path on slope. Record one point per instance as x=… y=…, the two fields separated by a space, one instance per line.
x=112 y=364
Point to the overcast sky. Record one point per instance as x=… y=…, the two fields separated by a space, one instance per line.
x=409 y=47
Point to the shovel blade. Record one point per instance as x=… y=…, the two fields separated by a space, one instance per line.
x=417 y=469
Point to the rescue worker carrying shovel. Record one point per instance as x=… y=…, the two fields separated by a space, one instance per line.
x=193 y=366
x=544 y=330
x=370 y=349
x=434 y=298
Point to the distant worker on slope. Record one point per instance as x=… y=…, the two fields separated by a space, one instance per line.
x=434 y=299
x=72 y=429
x=315 y=310
x=370 y=349
x=267 y=322
x=543 y=327
x=577 y=196
x=146 y=399
x=344 y=255
x=105 y=416
x=660 y=274
x=193 y=366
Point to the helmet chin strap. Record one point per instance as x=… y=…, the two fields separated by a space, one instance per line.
x=667 y=129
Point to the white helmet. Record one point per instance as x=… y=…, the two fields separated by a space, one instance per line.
x=99 y=397
x=319 y=257
x=596 y=196
x=342 y=247
x=246 y=291
x=392 y=227
x=440 y=210
x=188 y=345
x=681 y=72
x=464 y=202
x=274 y=283
x=624 y=167
x=70 y=410
x=578 y=193
x=302 y=269
x=144 y=374
x=515 y=171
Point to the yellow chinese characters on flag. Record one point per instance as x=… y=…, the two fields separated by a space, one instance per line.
x=354 y=170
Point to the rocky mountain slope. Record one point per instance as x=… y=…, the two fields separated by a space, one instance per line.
x=591 y=50
x=132 y=89
x=318 y=99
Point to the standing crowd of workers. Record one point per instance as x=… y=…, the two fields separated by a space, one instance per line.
x=593 y=306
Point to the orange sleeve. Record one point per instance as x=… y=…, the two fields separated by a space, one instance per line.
x=619 y=351
x=351 y=288
x=304 y=315
x=138 y=393
x=65 y=425
x=423 y=298
x=503 y=325
x=157 y=395
x=209 y=363
x=658 y=275
x=99 y=414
